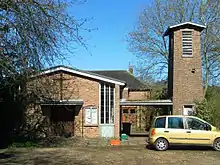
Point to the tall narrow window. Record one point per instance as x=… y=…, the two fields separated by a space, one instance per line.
x=187 y=43
x=107 y=104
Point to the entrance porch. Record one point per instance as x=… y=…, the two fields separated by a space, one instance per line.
x=61 y=115
x=136 y=116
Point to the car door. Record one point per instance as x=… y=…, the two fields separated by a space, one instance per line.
x=175 y=130
x=199 y=132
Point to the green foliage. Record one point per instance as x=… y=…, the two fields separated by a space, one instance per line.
x=204 y=110
x=209 y=108
x=159 y=90
x=19 y=141
x=27 y=144
x=159 y=93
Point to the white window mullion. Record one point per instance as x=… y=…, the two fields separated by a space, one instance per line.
x=104 y=105
x=114 y=105
x=109 y=103
x=90 y=114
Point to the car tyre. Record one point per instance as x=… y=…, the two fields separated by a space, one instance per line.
x=161 y=144
x=216 y=144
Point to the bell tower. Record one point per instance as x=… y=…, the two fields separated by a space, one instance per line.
x=184 y=66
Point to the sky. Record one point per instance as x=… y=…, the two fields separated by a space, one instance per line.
x=107 y=47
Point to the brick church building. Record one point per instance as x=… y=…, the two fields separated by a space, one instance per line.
x=91 y=102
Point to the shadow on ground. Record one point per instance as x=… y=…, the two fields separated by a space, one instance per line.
x=139 y=135
x=6 y=155
x=193 y=148
x=43 y=157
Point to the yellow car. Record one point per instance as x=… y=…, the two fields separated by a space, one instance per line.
x=182 y=130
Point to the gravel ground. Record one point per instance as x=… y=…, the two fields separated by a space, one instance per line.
x=122 y=155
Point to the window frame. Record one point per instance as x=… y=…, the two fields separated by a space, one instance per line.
x=202 y=121
x=154 y=125
x=110 y=106
x=183 y=120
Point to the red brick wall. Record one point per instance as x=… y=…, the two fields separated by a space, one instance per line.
x=135 y=95
x=117 y=111
x=138 y=95
x=75 y=87
x=187 y=86
x=125 y=93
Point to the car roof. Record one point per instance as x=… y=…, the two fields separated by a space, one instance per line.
x=156 y=117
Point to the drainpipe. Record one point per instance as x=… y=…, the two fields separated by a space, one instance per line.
x=82 y=119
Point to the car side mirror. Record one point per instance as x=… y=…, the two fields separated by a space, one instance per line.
x=207 y=127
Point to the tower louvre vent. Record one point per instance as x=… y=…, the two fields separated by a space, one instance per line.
x=187 y=43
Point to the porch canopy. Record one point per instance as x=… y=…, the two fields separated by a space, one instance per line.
x=146 y=103
x=63 y=102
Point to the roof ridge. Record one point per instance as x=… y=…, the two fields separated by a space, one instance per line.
x=61 y=66
x=107 y=70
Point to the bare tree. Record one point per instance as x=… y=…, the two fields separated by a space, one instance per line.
x=34 y=34
x=151 y=47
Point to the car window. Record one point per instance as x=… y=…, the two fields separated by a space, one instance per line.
x=160 y=122
x=175 y=122
x=195 y=124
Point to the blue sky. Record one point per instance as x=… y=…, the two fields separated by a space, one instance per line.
x=107 y=46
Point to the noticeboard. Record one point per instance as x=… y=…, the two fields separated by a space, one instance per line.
x=91 y=116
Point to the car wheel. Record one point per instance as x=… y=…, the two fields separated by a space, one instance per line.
x=216 y=144
x=161 y=144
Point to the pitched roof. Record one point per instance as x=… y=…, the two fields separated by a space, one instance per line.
x=123 y=75
x=185 y=24
x=83 y=73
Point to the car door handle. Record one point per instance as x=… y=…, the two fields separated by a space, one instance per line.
x=166 y=131
x=188 y=131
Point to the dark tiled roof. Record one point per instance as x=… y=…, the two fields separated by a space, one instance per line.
x=123 y=75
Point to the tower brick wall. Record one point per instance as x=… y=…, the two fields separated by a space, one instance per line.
x=184 y=72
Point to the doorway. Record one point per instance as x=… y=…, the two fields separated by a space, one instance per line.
x=188 y=110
